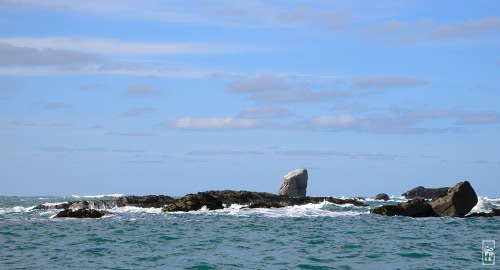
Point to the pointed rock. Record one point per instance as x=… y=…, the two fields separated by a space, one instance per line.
x=294 y=183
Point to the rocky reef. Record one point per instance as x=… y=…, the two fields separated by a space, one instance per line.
x=218 y=199
x=148 y=201
x=455 y=202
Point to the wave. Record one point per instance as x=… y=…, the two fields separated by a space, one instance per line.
x=100 y=196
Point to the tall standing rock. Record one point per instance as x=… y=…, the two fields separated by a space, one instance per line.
x=457 y=202
x=294 y=183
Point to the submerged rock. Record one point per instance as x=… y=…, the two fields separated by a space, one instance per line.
x=381 y=196
x=294 y=183
x=266 y=205
x=65 y=205
x=219 y=198
x=494 y=213
x=417 y=207
x=457 y=202
x=426 y=193
x=81 y=213
x=148 y=201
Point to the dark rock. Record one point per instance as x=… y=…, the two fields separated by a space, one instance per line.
x=266 y=205
x=417 y=207
x=426 y=193
x=81 y=213
x=294 y=183
x=148 y=201
x=193 y=202
x=217 y=199
x=457 y=202
x=382 y=196
x=493 y=213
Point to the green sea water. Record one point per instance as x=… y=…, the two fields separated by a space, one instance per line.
x=316 y=236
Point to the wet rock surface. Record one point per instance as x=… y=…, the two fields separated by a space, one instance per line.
x=417 y=207
x=457 y=202
x=381 y=196
x=425 y=193
x=81 y=213
x=494 y=213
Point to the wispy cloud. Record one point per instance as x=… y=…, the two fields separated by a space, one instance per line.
x=89 y=46
x=272 y=88
x=132 y=134
x=213 y=123
x=348 y=155
x=264 y=112
x=141 y=90
x=334 y=20
x=467 y=29
x=137 y=111
x=14 y=56
x=403 y=121
x=396 y=32
x=223 y=152
x=387 y=82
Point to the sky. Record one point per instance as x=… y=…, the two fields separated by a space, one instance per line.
x=176 y=97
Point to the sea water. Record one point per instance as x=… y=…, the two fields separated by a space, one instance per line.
x=314 y=236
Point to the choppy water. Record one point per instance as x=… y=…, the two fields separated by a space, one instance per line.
x=321 y=236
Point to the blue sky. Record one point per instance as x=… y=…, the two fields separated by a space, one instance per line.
x=174 y=97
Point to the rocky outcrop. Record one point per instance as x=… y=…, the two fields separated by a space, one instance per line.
x=193 y=202
x=148 y=201
x=219 y=198
x=81 y=213
x=457 y=202
x=381 y=196
x=294 y=183
x=426 y=193
x=417 y=207
x=494 y=213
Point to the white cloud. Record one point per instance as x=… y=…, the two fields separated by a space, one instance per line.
x=213 y=123
x=387 y=82
x=276 y=89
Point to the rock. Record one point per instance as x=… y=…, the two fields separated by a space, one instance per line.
x=494 y=213
x=294 y=183
x=426 y=193
x=266 y=205
x=417 y=207
x=193 y=202
x=382 y=196
x=148 y=201
x=457 y=202
x=217 y=199
x=81 y=213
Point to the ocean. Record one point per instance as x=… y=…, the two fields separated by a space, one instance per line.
x=314 y=236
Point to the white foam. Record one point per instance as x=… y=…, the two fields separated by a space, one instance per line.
x=134 y=210
x=307 y=210
x=16 y=209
